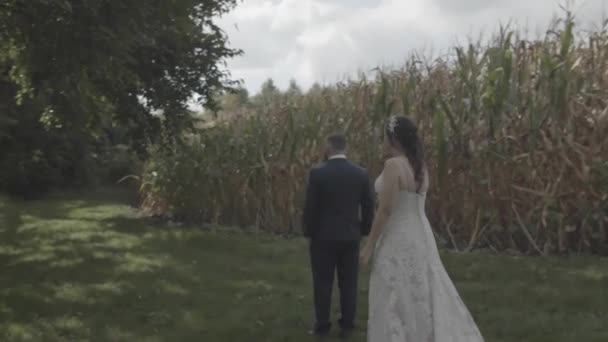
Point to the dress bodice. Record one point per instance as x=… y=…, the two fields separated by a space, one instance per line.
x=408 y=204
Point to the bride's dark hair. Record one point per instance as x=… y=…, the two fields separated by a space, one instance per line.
x=403 y=130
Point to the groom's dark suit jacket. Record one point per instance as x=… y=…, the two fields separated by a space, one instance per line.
x=339 y=202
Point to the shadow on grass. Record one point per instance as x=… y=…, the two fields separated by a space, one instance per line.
x=89 y=269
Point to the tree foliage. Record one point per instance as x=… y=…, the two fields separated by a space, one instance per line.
x=234 y=99
x=294 y=89
x=78 y=72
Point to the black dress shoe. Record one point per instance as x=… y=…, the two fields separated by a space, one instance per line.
x=320 y=330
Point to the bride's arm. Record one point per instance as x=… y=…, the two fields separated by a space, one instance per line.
x=386 y=199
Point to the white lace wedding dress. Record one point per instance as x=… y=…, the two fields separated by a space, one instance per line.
x=411 y=296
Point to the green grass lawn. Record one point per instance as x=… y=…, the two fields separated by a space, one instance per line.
x=85 y=268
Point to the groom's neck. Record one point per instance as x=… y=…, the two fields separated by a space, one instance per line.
x=340 y=155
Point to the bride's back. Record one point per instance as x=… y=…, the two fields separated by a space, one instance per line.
x=407 y=178
x=409 y=202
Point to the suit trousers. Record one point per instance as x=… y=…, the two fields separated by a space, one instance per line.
x=328 y=258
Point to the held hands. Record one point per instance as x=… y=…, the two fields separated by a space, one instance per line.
x=366 y=254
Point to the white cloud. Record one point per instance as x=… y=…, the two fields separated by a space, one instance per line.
x=292 y=14
x=323 y=40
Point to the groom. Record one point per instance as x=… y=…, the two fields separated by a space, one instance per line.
x=338 y=211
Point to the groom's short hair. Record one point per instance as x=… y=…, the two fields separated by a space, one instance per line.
x=337 y=142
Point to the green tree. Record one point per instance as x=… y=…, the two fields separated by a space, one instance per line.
x=315 y=90
x=72 y=69
x=268 y=93
x=269 y=89
x=234 y=99
x=294 y=89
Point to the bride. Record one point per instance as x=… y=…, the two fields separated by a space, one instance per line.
x=411 y=297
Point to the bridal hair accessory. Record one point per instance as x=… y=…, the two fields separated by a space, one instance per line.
x=392 y=124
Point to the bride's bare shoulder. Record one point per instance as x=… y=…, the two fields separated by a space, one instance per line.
x=392 y=164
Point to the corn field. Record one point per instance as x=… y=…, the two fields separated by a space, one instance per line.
x=516 y=136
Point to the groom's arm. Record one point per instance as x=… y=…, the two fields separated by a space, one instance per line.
x=367 y=206
x=311 y=206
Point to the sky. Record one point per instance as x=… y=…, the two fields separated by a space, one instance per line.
x=329 y=40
